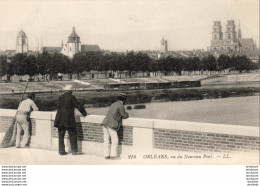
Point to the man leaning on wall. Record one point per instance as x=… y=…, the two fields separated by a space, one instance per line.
x=111 y=125
x=22 y=118
x=65 y=120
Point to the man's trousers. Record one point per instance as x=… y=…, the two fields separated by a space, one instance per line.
x=110 y=135
x=72 y=136
x=22 y=125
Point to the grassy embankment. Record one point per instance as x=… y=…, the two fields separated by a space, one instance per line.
x=48 y=102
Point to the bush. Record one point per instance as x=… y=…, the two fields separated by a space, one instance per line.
x=139 y=107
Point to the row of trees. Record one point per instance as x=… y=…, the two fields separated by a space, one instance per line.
x=208 y=63
x=52 y=64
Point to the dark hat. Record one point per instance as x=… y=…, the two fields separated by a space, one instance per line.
x=122 y=96
x=31 y=95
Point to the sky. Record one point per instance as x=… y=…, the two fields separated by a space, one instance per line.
x=121 y=25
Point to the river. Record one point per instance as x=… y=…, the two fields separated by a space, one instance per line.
x=234 y=111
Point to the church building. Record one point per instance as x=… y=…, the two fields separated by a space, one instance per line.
x=231 y=41
x=72 y=46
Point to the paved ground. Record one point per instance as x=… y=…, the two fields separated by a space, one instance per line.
x=27 y=156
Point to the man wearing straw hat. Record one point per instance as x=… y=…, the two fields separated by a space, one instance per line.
x=22 y=118
x=111 y=124
x=65 y=119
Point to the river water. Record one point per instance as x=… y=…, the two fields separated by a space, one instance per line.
x=234 y=110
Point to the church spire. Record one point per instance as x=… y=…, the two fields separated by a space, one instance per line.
x=38 y=46
x=162 y=41
x=73 y=37
x=239 y=35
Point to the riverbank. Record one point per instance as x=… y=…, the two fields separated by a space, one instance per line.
x=48 y=102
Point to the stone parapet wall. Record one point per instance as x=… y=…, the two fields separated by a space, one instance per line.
x=93 y=132
x=203 y=142
x=143 y=135
x=6 y=121
x=33 y=127
x=204 y=137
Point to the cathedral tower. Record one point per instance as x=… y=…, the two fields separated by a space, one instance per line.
x=164 y=46
x=217 y=37
x=231 y=42
x=21 y=43
x=217 y=33
x=231 y=30
x=239 y=35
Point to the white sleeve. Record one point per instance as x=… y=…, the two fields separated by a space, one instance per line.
x=34 y=107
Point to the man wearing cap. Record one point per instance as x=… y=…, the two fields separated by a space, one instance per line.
x=22 y=118
x=111 y=124
x=65 y=119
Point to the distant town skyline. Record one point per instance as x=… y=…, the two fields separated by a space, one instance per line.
x=125 y=25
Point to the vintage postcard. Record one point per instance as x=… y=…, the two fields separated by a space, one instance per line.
x=145 y=82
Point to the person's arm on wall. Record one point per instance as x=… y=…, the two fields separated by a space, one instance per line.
x=123 y=113
x=34 y=107
x=79 y=106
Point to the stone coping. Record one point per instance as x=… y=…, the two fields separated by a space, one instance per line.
x=154 y=123
x=7 y=112
x=207 y=127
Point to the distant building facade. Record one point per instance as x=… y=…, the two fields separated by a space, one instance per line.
x=21 y=43
x=231 y=41
x=164 y=46
x=51 y=50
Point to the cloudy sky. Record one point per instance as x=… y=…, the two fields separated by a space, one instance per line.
x=124 y=24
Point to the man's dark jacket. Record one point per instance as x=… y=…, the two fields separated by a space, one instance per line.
x=65 y=113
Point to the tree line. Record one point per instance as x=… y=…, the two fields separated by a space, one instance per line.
x=52 y=64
